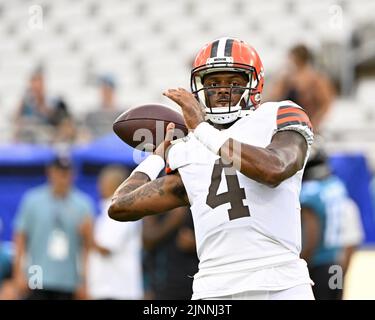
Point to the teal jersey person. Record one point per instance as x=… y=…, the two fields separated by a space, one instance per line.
x=326 y=198
x=324 y=202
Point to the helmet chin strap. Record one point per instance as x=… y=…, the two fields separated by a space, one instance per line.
x=222 y=117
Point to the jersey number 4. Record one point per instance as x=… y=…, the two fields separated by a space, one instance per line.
x=234 y=195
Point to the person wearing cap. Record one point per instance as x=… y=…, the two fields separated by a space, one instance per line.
x=52 y=237
x=98 y=122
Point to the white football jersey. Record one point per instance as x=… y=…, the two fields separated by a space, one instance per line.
x=239 y=223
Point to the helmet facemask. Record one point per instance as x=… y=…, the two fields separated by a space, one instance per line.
x=230 y=113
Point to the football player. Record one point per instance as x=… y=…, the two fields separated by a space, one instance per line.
x=240 y=170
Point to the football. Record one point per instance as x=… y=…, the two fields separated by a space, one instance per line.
x=143 y=127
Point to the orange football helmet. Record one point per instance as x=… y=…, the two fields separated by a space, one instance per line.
x=233 y=55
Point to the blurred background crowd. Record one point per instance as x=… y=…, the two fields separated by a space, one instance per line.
x=69 y=68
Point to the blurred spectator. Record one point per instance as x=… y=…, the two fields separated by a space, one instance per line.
x=5 y=259
x=304 y=85
x=63 y=122
x=6 y=256
x=40 y=118
x=34 y=111
x=326 y=210
x=34 y=104
x=170 y=255
x=99 y=121
x=52 y=235
x=115 y=267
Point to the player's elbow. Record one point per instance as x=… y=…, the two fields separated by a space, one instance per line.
x=112 y=212
x=122 y=213
x=272 y=177
x=275 y=176
x=272 y=181
x=116 y=214
x=279 y=172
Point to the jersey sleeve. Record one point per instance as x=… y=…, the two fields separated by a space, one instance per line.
x=293 y=117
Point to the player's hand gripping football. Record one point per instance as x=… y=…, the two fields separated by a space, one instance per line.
x=192 y=110
x=163 y=147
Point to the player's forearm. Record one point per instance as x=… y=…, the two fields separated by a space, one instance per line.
x=281 y=159
x=143 y=194
x=130 y=205
x=154 y=197
x=123 y=197
x=136 y=180
x=264 y=165
x=147 y=170
x=270 y=166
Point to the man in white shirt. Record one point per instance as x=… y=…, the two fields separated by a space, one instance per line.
x=115 y=270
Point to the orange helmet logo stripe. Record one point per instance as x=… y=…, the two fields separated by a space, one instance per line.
x=203 y=55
